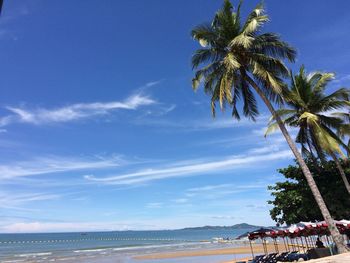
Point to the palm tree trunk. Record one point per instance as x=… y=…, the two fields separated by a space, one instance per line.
x=341 y=171
x=337 y=237
x=314 y=160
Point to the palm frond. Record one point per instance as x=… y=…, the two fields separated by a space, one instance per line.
x=233 y=53
x=202 y=56
x=271 y=45
x=267 y=77
x=271 y=128
x=271 y=64
x=242 y=40
x=231 y=62
x=204 y=32
x=283 y=113
x=320 y=80
x=255 y=20
x=250 y=108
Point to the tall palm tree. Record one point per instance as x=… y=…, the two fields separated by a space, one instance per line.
x=237 y=59
x=310 y=110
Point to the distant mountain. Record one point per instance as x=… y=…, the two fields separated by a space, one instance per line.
x=237 y=226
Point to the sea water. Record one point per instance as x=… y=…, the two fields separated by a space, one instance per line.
x=121 y=245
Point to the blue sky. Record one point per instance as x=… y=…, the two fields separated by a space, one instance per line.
x=100 y=129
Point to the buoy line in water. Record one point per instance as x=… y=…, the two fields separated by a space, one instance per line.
x=90 y=239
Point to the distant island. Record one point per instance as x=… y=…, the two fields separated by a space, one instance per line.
x=237 y=226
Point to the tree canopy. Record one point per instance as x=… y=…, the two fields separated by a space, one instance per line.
x=292 y=199
x=236 y=56
x=310 y=109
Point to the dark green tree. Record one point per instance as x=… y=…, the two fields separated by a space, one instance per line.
x=292 y=199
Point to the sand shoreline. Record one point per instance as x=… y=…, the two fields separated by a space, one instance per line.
x=235 y=251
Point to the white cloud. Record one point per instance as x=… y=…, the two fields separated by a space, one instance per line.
x=4 y=121
x=13 y=201
x=189 y=169
x=73 y=112
x=41 y=226
x=203 y=124
x=152 y=83
x=220 y=190
x=345 y=79
x=159 y=111
x=37 y=227
x=265 y=149
x=209 y=188
x=54 y=164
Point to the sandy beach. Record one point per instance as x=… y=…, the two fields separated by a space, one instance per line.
x=238 y=254
x=244 y=252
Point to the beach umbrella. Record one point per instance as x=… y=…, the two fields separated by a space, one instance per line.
x=246 y=235
x=259 y=233
x=345 y=221
x=294 y=229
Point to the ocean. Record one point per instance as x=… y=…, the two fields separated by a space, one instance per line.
x=122 y=246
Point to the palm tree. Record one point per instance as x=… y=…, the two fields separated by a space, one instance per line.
x=309 y=109
x=235 y=60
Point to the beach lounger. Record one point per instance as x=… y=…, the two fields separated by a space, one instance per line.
x=257 y=259
x=282 y=257
x=296 y=256
x=271 y=258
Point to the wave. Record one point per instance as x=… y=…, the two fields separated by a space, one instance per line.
x=90 y=250
x=14 y=261
x=35 y=254
x=182 y=245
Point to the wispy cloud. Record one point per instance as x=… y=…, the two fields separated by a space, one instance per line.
x=207 y=188
x=73 y=112
x=189 y=169
x=54 y=164
x=343 y=79
x=220 y=190
x=58 y=226
x=152 y=83
x=159 y=111
x=14 y=201
x=202 y=124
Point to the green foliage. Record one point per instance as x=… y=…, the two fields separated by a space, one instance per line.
x=311 y=110
x=293 y=201
x=232 y=53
